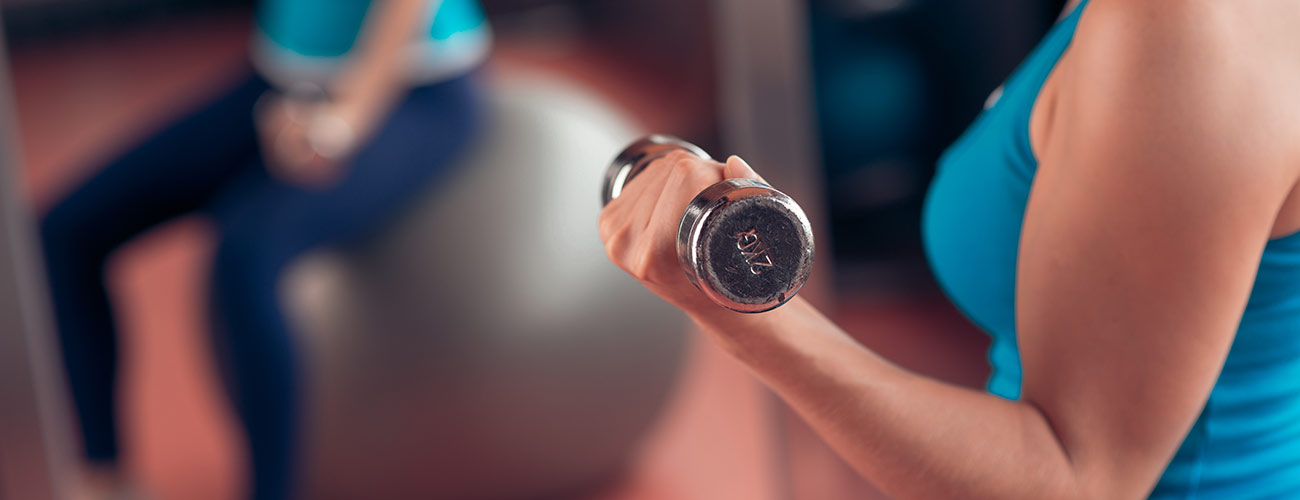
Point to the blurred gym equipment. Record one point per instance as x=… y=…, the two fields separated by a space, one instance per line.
x=35 y=448
x=481 y=347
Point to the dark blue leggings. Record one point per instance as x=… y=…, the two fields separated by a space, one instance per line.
x=209 y=161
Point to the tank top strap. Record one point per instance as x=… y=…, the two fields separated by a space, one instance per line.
x=1017 y=96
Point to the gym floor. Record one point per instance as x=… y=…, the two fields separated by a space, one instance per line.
x=722 y=435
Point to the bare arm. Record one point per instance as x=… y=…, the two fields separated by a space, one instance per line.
x=1157 y=190
x=378 y=73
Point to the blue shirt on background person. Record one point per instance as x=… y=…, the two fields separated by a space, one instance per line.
x=308 y=40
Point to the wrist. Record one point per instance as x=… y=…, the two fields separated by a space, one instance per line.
x=747 y=336
x=331 y=135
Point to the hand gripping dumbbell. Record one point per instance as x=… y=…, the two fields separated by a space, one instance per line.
x=747 y=246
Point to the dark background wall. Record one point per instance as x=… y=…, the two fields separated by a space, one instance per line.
x=896 y=81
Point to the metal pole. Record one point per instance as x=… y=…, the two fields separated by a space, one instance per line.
x=35 y=452
x=767 y=115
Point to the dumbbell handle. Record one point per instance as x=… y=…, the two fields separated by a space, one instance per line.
x=633 y=160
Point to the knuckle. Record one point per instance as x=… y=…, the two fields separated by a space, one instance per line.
x=612 y=253
x=642 y=267
x=604 y=234
x=606 y=225
x=683 y=161
x=669 y=160
x=614 y=247
x=650 y=265
x=705 y=175
x=679 y=155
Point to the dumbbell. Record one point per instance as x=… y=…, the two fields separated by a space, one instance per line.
x=747 y=246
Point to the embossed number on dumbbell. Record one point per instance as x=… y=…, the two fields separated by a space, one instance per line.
x=754 y=251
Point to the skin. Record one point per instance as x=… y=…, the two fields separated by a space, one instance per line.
x=363 y=93
x=1167 y=160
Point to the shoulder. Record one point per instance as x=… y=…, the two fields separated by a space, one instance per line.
x=1190 y=79
x=1190 y=26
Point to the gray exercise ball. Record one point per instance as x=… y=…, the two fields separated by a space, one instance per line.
x=482 y=346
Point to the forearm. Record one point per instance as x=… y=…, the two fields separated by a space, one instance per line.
x=377 y=73
x=912 y=436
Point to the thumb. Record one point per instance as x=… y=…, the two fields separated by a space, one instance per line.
x=737 y=169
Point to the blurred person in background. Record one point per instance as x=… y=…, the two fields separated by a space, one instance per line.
x=1122 y=219
x=354 y=107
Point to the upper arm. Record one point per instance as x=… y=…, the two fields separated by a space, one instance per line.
x=390 y=24
x=1156 y=193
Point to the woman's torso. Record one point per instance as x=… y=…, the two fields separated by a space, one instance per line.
x=1246 y=441
x=309 y=40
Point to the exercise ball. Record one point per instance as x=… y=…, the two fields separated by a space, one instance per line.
x=481 y=345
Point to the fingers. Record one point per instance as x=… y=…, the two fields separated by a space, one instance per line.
x=639 y=227
x=738 y=168
x=631 y=202
x=644 y=196
x=655 y=236
x=688 y=178
x=639 y=194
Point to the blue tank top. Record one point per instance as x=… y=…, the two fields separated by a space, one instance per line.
x=1246 y=441
x=309 y=40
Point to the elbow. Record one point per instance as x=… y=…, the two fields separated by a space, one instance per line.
x=1107 y=481
x=1084 y=469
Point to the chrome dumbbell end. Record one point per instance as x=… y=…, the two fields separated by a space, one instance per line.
x=746 y=245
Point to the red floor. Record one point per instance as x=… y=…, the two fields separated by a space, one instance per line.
x=722 y=437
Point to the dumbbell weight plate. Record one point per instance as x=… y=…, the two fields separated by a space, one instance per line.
x=747 y=246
